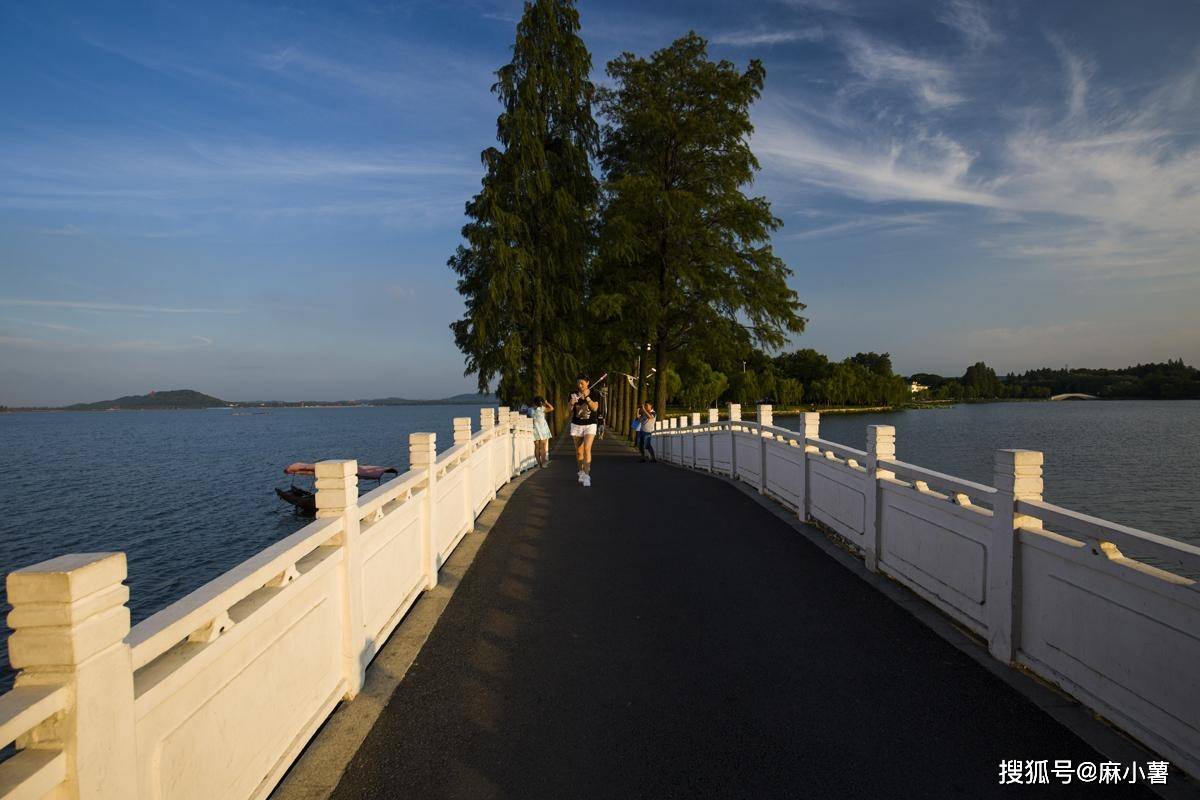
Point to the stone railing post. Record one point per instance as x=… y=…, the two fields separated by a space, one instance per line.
x=765 y=419
x=69 y=622
x=422 y=454
x=735 y=416
x=714 y=416
x=810 y=428
x=337 y=496
x=487 y=421
x=504 y=421
x=462 y=435
x=1018 y=476
x=881 y=446
x=695 y=436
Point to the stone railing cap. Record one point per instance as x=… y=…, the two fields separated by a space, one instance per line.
x=66 y=578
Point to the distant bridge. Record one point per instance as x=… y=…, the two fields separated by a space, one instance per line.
x=1074 y=396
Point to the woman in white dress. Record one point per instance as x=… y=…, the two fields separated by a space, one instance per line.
x=541 y=430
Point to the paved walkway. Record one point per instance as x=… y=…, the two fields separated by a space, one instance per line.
x=661 y=635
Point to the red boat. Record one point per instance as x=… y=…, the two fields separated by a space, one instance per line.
x=305 y=501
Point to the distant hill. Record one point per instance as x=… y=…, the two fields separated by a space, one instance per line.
x=175 y=398
x=190 y=398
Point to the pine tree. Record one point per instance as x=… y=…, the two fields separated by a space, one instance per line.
x=676 y=224
x=522 y=270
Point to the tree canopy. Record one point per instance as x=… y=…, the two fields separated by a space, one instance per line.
x=523 y=268
x=676 y=225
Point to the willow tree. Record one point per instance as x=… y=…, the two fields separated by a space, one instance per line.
x=677 y=225
x=522 y=269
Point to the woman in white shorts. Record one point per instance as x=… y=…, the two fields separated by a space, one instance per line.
x=583 y=428
x=541 y=430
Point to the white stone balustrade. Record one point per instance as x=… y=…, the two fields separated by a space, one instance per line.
x=216 y=695
x=1049 y=589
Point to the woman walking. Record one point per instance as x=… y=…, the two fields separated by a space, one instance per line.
x=583 y=428
x=541 y=430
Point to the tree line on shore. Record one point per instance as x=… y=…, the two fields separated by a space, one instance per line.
x=1172 y=380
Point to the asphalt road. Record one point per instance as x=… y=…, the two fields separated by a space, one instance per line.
x=662 y=635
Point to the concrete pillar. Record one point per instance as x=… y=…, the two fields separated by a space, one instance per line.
x=69 y=622
x=1018 y=476
x=714 y=416
x=337 y=496
x=487 y=422
x=462 y=430
x=735 y=416
x=810 y=428
x=766 y=415
x=881 y=446
x=504 y=421
x=462 y=435
x=422 y=454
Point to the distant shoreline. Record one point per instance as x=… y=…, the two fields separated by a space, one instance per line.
x=263 y=408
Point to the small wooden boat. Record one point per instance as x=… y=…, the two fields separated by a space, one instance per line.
x=304 y=501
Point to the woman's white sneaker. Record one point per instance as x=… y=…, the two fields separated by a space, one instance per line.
x=586 y=480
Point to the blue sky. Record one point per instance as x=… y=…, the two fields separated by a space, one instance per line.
x=258 y=200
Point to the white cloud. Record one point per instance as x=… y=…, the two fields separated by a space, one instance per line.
x=872 y=223
x=883 y=64
x=972 y=20
x=1111 y=186
x=754 y=38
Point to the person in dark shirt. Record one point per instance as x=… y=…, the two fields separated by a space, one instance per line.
x=584 y=411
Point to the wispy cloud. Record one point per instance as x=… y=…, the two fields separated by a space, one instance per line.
x=871 y=223
x=973 y=20
x=1077 y=71
x=1103 y=181
x=117 y=308
x=65 y=230
x=766 y=37
x=928 y=79
x=50 y=326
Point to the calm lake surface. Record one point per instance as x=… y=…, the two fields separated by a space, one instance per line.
x=188 y=494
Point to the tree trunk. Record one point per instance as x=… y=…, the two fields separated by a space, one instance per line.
x=535 y=369
x=660 y=377
x=625 y=405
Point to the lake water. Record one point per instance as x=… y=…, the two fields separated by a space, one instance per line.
x=188 y=494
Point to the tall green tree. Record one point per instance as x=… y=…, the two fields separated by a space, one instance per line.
x=522 y=270
x=677 y=227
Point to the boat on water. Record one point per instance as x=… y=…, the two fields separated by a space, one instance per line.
x=305 y=500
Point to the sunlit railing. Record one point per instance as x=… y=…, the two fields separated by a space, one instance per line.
x=215 y=695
